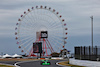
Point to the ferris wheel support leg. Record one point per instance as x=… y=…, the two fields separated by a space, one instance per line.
x=45 y=47
x=30 y=53
x=50 y=45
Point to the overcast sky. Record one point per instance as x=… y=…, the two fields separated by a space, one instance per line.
x=76 y=13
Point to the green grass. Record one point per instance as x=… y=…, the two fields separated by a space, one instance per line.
x=5 y=66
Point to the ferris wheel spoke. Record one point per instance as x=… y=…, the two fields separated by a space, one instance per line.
x=25 y=39
x=25 y=32
x=25 y=27
x=42 y=13
x=57 y=47
x=26 y=42
x=29 y=49
x=53 y=41
x=58 y=38
x=27 y=23
x=50 y=23
x=23 y=36
x=56 y=34
x=57 y=41
x=52 y=20
x=27 y=18
x=54 y=23
x=28 y=28
x=40 y=19
x=57 y=22
x=57 y=26
x=54 y=45
x=35 y=13
x=25 y=47
x=44 y=21
x=57 y=29
x=33 y=17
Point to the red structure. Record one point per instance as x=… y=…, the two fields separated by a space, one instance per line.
x=45 y=46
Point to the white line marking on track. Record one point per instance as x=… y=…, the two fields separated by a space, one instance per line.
x=16 y=64
x=6 y=64
x=61 y=65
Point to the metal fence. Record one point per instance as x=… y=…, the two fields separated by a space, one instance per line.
x=85 y=53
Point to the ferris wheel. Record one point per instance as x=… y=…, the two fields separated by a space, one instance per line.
x=39 y=19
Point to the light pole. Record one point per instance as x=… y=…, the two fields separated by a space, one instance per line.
x=92 y=32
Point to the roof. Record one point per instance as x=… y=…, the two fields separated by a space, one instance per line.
x=4 y=56
x=0 y=56
x=16 y=55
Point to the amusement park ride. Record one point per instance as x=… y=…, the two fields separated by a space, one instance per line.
x=41 y=30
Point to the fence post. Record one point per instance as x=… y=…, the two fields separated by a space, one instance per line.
x=96 y=51
x=89 y=53
x=80 y=52
x=84 y=50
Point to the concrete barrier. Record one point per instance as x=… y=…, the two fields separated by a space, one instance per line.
x=56 y=57
x=84 y=63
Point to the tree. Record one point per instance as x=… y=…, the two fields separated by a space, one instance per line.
x=55 y=54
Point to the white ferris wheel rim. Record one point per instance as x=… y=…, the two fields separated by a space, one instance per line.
x=20 y=35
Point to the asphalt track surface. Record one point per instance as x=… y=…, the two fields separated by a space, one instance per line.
x=38 y=64
x=8 y=62
x=33 y=63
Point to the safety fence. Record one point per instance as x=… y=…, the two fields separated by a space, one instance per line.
x=86 y=53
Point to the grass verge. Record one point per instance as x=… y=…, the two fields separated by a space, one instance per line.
x=5 y=65
x=66 y=63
